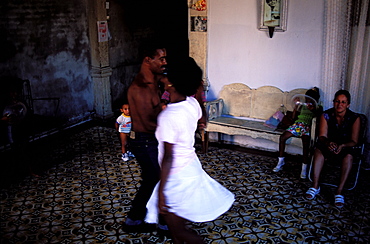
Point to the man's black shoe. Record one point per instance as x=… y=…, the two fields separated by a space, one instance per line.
x=141 y=228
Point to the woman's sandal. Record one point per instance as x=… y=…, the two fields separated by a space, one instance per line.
x=312 y=192
x=339 y=201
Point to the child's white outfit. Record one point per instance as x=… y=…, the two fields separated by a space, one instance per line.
x=190 y=192
x=124 y=123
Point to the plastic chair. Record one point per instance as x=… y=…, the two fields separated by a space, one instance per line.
x=331 y=173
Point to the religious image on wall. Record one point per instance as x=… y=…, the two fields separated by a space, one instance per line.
x=200 y=5
x=271 y=15
x=199 y=23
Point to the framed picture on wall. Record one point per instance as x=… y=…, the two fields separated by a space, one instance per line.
x=199 y=23
x=273 y=14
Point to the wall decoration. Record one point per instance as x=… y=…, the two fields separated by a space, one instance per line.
x=102 y=31
x=273 y=15
x=199 y=23
x=200 y=5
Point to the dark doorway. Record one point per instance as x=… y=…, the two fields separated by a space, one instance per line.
x=132 y=23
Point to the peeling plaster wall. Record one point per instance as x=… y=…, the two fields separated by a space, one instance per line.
x=47 y=42
x=49 y=39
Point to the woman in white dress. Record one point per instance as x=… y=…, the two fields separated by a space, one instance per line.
x=185 y=191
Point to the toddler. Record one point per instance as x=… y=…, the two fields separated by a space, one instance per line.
x=123 y=126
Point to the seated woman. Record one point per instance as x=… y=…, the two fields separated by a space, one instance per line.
x=339 y=133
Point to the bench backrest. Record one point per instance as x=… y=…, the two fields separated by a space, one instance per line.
x=242 y=101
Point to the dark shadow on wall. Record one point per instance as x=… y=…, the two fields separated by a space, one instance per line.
x=7 y=48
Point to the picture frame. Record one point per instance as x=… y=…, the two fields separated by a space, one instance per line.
x=273 y=15
x=198 y=23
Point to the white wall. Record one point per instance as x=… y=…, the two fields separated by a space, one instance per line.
x=239 y=52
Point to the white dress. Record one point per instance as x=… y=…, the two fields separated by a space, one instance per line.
x=190 y=192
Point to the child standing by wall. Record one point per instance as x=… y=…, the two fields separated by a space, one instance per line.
x=123 y=126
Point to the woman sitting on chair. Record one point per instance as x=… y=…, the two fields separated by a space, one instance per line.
x=339 y=133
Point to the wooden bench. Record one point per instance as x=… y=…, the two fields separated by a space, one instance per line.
x=243 y=111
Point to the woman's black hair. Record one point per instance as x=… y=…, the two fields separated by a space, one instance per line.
x=345 y=93
x=185 y=75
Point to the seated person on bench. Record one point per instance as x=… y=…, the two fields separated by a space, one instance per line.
x=339 y=133
x=301 y=128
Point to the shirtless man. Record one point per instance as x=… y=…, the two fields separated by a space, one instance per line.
x=145 y=104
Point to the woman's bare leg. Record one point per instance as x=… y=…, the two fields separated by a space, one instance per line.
x=179 y=231
x=317 y=167
x=346 y=169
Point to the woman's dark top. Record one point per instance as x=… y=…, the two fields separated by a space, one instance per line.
x=339 y=134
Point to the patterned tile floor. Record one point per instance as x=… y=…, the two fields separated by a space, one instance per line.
x=84 y=192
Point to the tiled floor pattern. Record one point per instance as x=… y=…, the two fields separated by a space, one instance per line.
x=85 y=192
